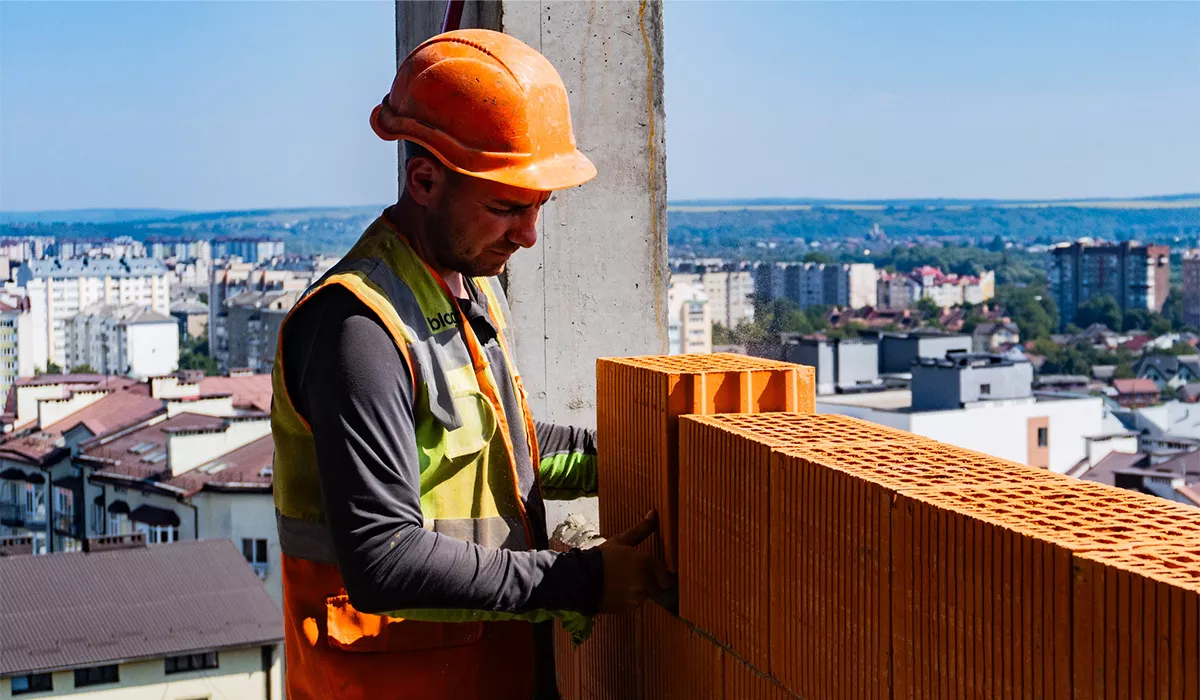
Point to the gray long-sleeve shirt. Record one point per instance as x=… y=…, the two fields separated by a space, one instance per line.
x=347 y=378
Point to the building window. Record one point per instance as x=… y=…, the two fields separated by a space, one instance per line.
x=255 y=551
x=1043 y=437
x=985 y=389
x=191 y=662
x=158 y=534
x=32 y=683
x=96 y=675
x=98 y=518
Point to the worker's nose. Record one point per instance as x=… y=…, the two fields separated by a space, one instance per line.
x=524 y=233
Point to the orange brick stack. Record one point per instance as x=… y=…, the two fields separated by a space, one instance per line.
x=723 y=559
x=1137 y=631
x=639 y=401
x=824 y=557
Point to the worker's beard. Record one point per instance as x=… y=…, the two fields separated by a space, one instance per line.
x=450 y=246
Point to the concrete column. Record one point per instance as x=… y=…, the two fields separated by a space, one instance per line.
x=596 y=283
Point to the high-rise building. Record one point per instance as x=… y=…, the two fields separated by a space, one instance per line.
x=1191 y=287
x=689 y=325
x=15 y=333
x=817 y=284
x=129 y=340
x=729 y=288
x=247 y=330
x=59 y=289
x=1136 y=276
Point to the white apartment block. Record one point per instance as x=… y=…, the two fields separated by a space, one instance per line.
x=900 y=291
x=730 y=292
x=689 y=326
x=59 y=289
x=129 y=340
x=15 y=333
x=817 y=284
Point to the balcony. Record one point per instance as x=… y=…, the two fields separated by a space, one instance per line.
x=260 y=570
x=821 y=556
x=12 y=514
x=64 y=524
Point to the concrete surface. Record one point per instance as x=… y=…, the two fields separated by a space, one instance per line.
x=596 y=283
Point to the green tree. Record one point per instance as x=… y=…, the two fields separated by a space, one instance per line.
x=928 y=308
x=83 y=369
x=1102 y=309
x=51 y=368
x=1123 y=371
x=203 y=297
x=817 y=257
x=1172 y=309
x=1031 y=309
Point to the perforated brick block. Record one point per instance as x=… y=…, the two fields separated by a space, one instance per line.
x=979 y=610
x=568 y=658
x=613 y=658
x=725 y=487
x=639 y=401
x=679 y=663
x=1136 y=631
x=745 y=683
x=830 y=552
x=1079 y=515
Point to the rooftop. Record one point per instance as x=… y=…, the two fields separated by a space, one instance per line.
x=251 y=392
x=95 y=267
x=127 y=604
x=248 y=466
x=124 y=407
x=142 y=453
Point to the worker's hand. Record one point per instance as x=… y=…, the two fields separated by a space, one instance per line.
x=631 y=576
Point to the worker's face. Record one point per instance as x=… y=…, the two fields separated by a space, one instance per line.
x=475 y=225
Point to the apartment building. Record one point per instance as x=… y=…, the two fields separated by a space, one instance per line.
x=128 y=340
x=16 y=360
x=246 y=330
x=179 y=248
x=729 y=288
x=1191 y=287
x=817 y=284
x=124 y=620
x=902 y=291
x=59 y=289
x=689 y=325
x=1135 y=276
x=250 y=250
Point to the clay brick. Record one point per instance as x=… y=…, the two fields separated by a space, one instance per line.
x=568 y=658
x=724 y=476
x=1137 y=627
x=745 y=683
x=980 y=610
x=832 y=560
x=639 y=401
x=613 y=659
x=679 y=663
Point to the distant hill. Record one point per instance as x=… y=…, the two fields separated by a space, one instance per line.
x=1181 y=200
x=87 y=216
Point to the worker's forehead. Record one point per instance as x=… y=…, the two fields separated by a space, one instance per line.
x=498 y=192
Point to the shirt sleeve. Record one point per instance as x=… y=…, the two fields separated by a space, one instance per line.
x=351 y=383
x=568 y=461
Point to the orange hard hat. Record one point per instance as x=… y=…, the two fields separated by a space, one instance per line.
x=489 y=106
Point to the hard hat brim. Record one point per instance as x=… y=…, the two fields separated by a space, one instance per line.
x=559 y=172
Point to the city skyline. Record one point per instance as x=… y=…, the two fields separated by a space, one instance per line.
x=223 y=106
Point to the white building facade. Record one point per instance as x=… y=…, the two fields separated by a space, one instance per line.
x=689 y=328
x=59 y=289
x=129 y=340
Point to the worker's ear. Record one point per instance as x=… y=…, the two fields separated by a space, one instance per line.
x=422 y=177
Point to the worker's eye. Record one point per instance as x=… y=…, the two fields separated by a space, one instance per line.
x=502 y=211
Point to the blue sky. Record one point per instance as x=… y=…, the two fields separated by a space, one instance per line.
x=223 y=105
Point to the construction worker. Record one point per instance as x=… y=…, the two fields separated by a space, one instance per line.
x=409 y=474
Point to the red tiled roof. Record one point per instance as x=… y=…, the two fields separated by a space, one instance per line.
x=152 y=441
x=124 y=407
x=44 y=379
x=1135 y=386
x=251 y=391
x=1136 y=343
x=37 y=448
x=242 y=466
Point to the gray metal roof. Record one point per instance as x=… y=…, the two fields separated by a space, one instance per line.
x=96 y=267
x=71 y=610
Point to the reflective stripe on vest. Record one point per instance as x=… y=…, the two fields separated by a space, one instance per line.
x=469 y=485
